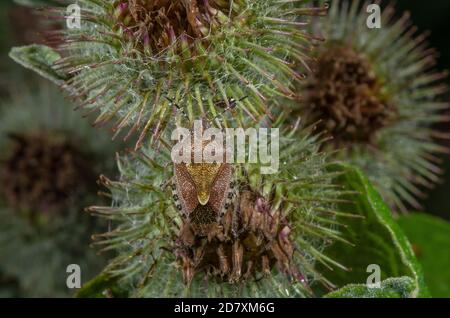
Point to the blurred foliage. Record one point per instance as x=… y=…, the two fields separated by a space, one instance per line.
x=37 y=3
x=34 y=255
x=35 y=259
x=430 y=237
x=36 y=244
x=12 y=31
x=9 y=286
x=5 y=43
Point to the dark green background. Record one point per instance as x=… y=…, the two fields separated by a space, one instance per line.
x=434 y=15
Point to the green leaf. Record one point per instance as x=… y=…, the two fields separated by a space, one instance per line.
x=39 y=58
x=37 y=3
x=376 y=238
x=430 y=238
x=101 y=286
x=401 y=287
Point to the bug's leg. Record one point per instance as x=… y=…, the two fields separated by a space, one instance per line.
x=188 y=269
x=216 y=231
x=238 y=223
x=177 y=201
x=243 y=98
x=282 y=259
x=178 y=107
x=231 y=206
x=229 y=201
x=223 y=261
x=265 y=265
x=237 y=255
x=167 y=183
x=227 y=105
x=249 y=269
x=226 y=223
x=186 y=235
x=206 y=278
x=199 y=253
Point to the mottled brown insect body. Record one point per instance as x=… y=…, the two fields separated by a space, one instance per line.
x=204 y=191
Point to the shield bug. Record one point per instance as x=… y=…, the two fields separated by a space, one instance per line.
x=203 y=192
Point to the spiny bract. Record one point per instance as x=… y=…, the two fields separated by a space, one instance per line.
x=140 y=61
x=375 y=92
x=267 y=244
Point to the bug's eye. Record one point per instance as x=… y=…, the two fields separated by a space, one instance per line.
x=179 y=207
x=175 y=197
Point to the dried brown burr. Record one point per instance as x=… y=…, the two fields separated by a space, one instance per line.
x=157 y=24
x=41 y=172
x=345 y=94
x=247 y=243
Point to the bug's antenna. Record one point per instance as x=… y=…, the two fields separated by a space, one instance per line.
x=172 y=102
x=232 y=103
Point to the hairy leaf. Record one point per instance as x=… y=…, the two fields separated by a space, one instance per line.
x=39 y=58
x=375 y=236
x=400 y=287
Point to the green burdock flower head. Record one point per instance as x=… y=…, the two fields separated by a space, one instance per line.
x=49 y=163
x=376 y=93
x=141 y=62
x=273 y=231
